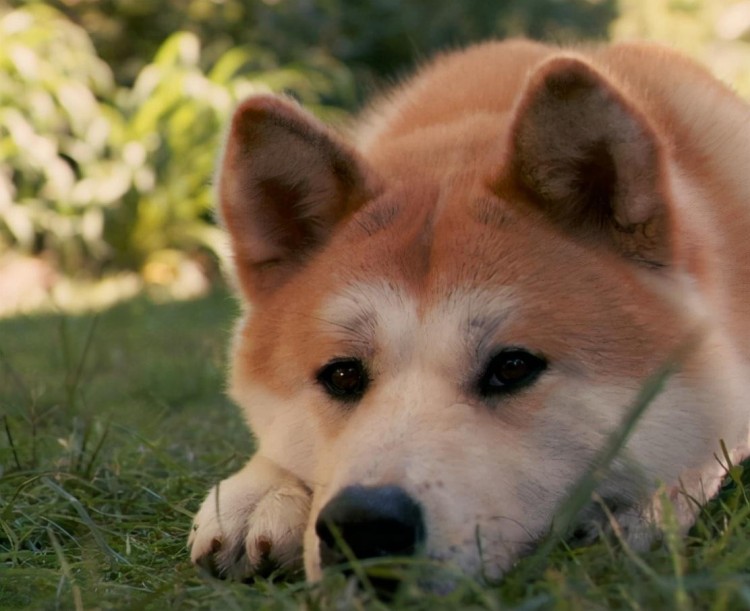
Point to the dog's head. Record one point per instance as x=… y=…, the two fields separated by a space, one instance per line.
x=443 y=332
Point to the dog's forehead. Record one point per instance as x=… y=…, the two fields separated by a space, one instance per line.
x=448 y=261
x=436 y=236
x=380 y=313
x=439 y=243
x=364 y=302
x=475 y=276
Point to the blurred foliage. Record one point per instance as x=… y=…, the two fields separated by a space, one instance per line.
x=110 y=121
x=373 y=39
x=59 y=173
x=102 y=177
x=111 y=111
x=174 y=116
x=715 y=31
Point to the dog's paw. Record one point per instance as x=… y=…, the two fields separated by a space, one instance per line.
x=252 y=523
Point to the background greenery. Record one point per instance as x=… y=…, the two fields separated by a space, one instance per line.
x=101 y=176
x=113 y=426
x=111 y=111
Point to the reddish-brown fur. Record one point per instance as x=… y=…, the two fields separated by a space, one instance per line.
x=598 y=195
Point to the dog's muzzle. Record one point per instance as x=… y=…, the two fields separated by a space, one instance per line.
x=369 y=522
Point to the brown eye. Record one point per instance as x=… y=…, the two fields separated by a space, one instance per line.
x=344 y=379
x=510 y=370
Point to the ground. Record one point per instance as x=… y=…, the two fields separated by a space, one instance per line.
x=113 y=426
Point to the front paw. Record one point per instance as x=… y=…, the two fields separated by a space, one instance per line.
x=252 y=523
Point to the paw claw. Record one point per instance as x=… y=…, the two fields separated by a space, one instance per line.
x=264 y=547
x=243 y=530
x=215 y=545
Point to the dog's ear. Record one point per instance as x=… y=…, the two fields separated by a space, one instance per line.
x=586 y=156
x=284 y=183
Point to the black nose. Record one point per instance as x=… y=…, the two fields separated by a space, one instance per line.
x=370 y=521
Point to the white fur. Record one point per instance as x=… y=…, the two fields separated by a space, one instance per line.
x=261 y=509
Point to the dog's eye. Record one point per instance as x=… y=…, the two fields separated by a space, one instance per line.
x=509 y=370
x=344 y=379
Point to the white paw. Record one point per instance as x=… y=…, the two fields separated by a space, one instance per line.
x=251 y=523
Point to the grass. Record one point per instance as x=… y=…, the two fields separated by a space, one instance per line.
x=112 y=428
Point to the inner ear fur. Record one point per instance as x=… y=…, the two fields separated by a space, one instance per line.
x=589 y=160
x=285 y=182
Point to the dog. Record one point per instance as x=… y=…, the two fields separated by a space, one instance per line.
x=451 y=313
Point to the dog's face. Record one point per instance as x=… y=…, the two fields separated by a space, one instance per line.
x=478 y=366
x=443 y=346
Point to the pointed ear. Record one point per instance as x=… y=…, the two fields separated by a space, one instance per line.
x=284 y=184
x=590 y=161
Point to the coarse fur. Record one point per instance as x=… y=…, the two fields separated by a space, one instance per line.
x=590 y=206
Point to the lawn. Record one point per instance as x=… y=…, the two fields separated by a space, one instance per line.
x=112 y=428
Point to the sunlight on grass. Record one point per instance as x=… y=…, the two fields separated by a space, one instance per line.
x=29 y=285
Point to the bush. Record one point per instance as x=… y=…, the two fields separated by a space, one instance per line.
x=58 y=134
x=376 y=39
x=100 y=177
x=175 y=115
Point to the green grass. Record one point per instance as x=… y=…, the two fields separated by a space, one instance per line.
x=112 y=428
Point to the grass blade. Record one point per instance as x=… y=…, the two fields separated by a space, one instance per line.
x=86 y=518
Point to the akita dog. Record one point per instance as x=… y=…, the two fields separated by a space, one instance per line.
x=449 y=318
